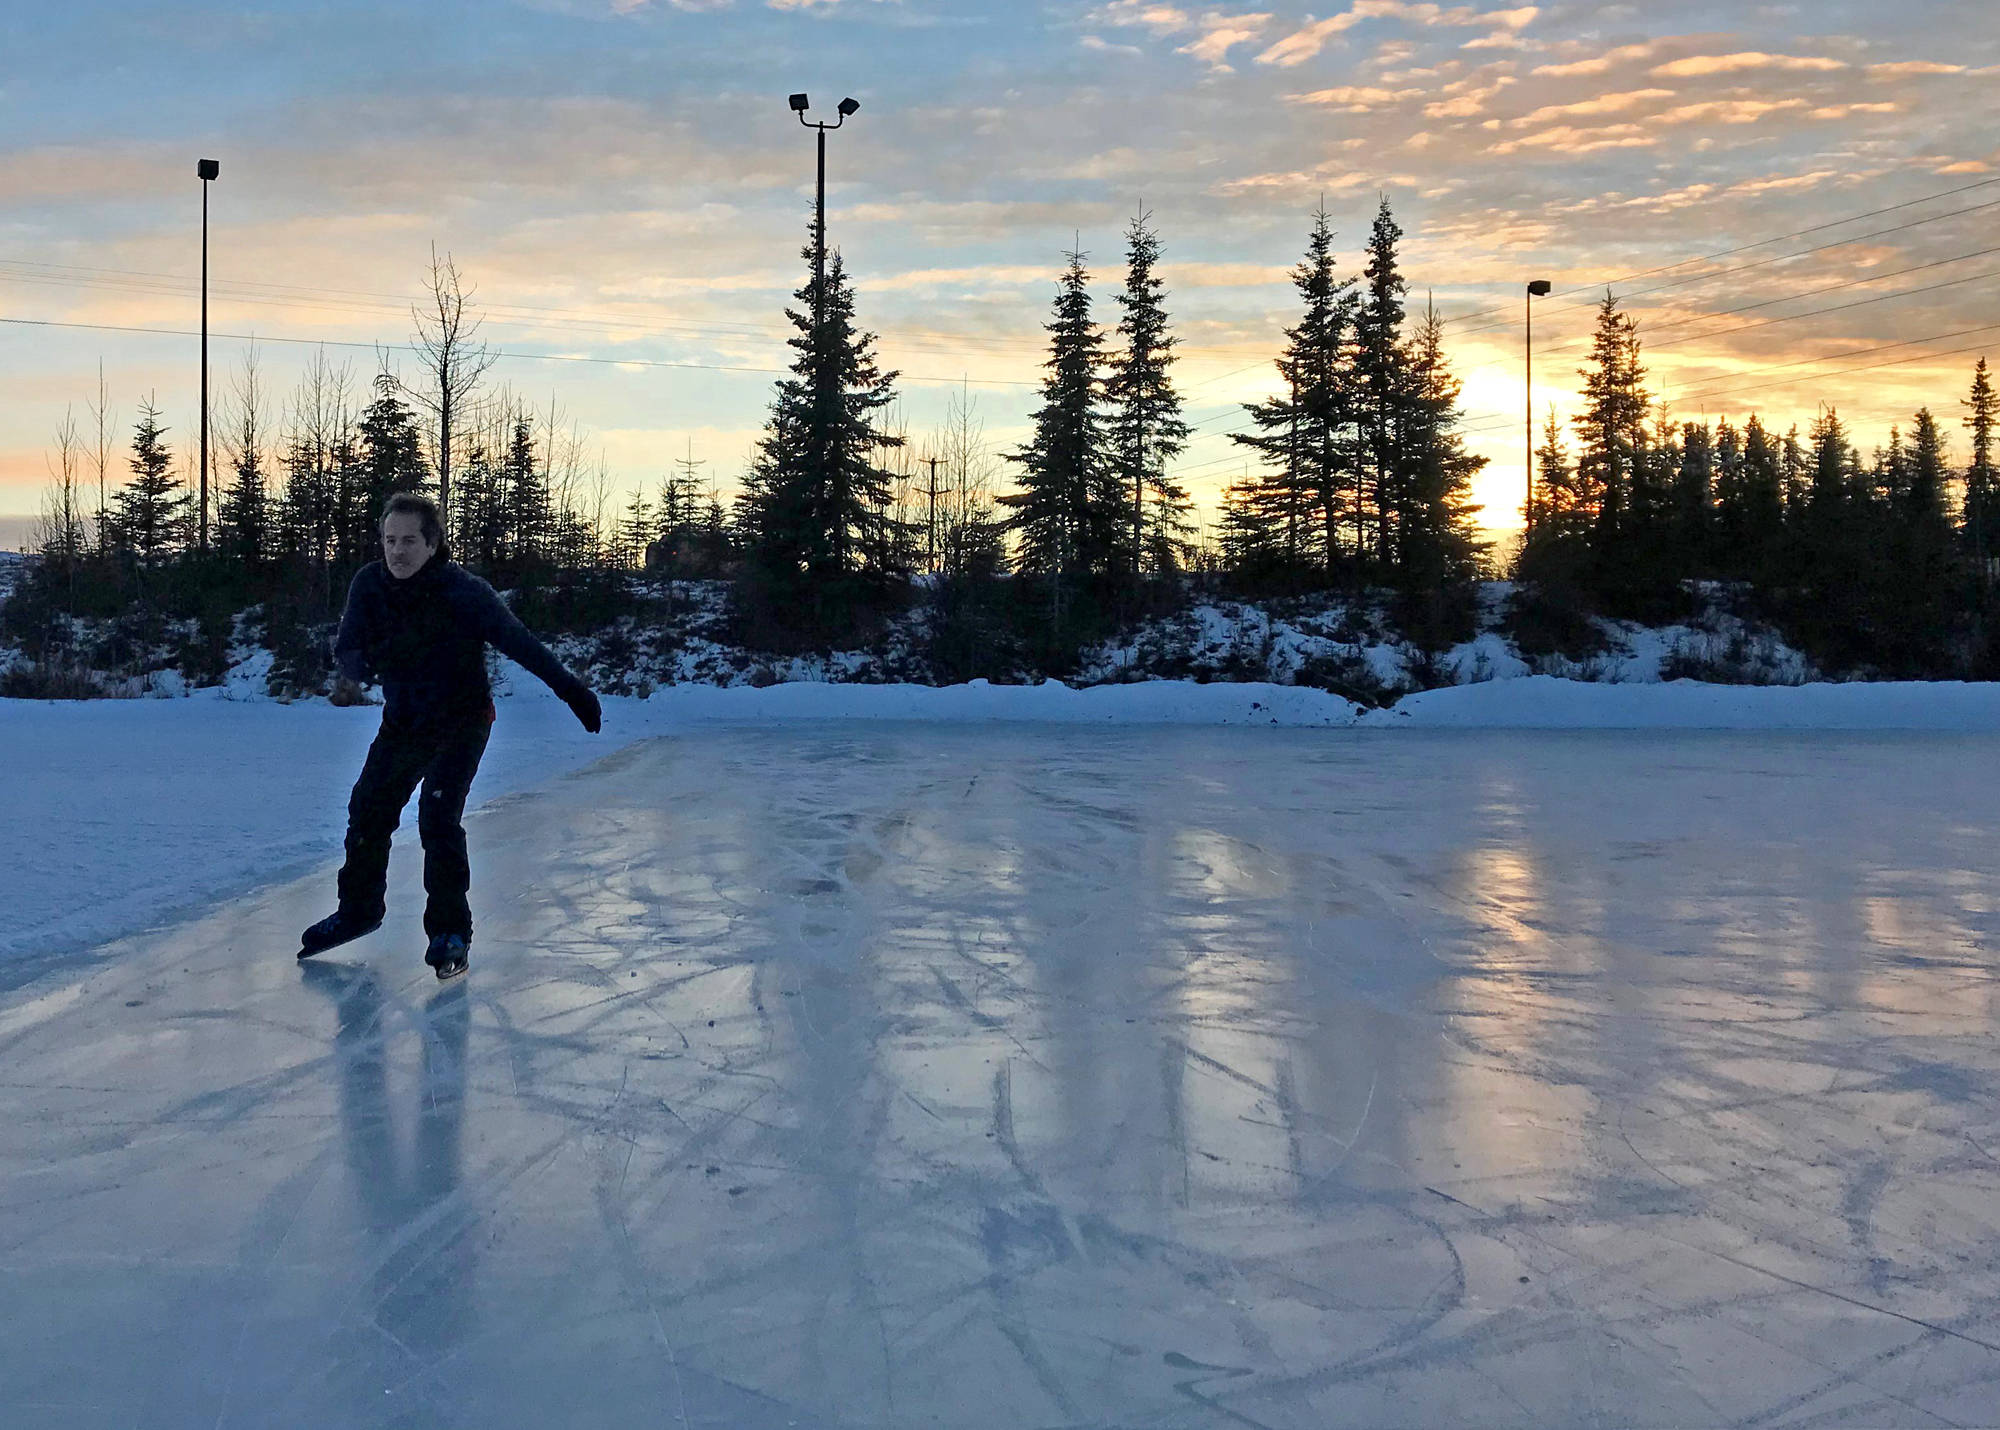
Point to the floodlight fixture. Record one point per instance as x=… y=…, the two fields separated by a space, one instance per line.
x=207 y=169
x=1539 y=288
x=800 y=104
x=848 y=106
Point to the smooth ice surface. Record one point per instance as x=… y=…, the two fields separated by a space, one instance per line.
x=899 y=1075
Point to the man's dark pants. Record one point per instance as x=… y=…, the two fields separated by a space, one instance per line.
x=443 y=753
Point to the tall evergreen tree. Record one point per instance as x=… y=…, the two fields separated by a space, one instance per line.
x=1695 y=482
x=1982 y=484
x=1611 y=429
x=244 y=519
x=1069 y=511
x=389 y=458
x=1305 y=435
x=1381 y=370
x=149 y=513
x=1144 y=428
x=1757 y=509
x=817 y=496
x=1436 y=540
x=527 y=516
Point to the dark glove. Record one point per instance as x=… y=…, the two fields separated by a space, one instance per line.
x=586 y=708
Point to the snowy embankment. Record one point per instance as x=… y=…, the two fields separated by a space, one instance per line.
x=117 y=814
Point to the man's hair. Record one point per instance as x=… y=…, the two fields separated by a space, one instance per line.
x=420 y=506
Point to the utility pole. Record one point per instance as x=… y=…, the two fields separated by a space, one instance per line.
x=205 y=170
x=1536 y=289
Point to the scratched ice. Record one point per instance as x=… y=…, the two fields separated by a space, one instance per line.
x=905 y=1076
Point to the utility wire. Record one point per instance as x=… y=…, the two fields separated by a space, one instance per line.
x=1746 y=247
x=1843 y=357
x=1760 y=263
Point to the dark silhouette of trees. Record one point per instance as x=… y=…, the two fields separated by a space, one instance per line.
x=1144 y=429
x=1069 y=512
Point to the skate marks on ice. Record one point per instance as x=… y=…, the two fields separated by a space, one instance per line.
x=910 y=1077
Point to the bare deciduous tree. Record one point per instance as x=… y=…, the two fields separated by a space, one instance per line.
x=62 y=532
x=453 y=360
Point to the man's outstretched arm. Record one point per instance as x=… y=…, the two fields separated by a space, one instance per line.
x=502 y=630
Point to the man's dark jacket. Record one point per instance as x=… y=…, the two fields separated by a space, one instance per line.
x=423 y=640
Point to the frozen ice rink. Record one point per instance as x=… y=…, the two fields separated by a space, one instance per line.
x=900 y=1075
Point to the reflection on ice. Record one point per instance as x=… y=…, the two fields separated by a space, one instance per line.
x=903 y=1076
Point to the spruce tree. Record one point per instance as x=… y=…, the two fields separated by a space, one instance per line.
x=389 y=458
x=1305 y=435
x=150 y=512
x=1069 y=511
x=817 y=497
x=636 y=531
x=244 y=520
x=243 y=516
x=1381 y=370
x=1758 y=516
x=1144 y=429
x=1437 y=544
x=526 y=516
x=1694 y=488
x=1611 y=429
x=1982 y=485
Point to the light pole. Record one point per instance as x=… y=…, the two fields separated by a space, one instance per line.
x=1538 y=288
x=799 y=106
x=205 y=170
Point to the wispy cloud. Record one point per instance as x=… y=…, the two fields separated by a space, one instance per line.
x=1745 y=60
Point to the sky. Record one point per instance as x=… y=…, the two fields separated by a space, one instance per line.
x=1797 y=201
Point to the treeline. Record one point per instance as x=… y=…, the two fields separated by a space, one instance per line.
x=1357 y=481
x=1365 y=479
x=1881 y=563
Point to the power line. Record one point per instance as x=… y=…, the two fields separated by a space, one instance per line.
x=1764 y=262
x=1835 y=308
x=1816 y=292
x=537 y=357
x=1843 y=357
x=1760 y=243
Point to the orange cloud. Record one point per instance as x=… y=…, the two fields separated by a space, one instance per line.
x=1357 y=99
x=1603 y=104
x=1746 y=60
x=1599 y=64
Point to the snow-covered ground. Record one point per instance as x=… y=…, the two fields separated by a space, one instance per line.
x=852 y=1073
x=117 y=814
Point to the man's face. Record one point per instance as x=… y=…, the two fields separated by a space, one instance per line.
x=404 y=550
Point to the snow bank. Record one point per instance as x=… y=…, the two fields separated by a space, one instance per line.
x=1543 y=702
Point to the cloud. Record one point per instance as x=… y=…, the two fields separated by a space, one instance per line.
x=1301 y=45
x=1221 y=34
x=1357 y=99
x=1599 y=64
x=1603 y=104
x=1911 y=67
x=1216 y=32
x=1105 y=47
x=1306 y=42
x=1727 y=111
x=1745 y=60
x=1565 y=139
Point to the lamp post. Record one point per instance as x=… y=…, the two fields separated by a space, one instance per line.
x=800 y=104
x=205 y=170
x=1538 y=288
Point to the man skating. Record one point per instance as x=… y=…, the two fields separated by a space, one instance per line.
x=419 y=624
